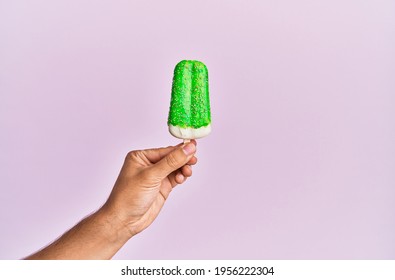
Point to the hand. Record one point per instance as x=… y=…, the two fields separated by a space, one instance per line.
x=145 y=182
x=143 y=185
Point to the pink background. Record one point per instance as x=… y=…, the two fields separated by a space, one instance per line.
x=301 y=160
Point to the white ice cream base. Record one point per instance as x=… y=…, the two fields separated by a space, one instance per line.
x=189 y=132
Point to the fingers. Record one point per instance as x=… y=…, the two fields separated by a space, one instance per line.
x=192 y=161
x=194 y=142
x=155 y=155
x=181 y=175
x=179 y=178
x=174 y=160
x=186 y=170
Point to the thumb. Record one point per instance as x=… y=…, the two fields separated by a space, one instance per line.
x=174 y=160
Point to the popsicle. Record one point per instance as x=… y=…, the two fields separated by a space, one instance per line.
x=189 y=115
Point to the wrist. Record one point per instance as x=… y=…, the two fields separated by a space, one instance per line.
x=115 y=229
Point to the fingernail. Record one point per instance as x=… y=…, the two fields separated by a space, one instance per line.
x=189 y=149
x=180 y=177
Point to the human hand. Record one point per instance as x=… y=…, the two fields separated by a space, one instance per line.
x=145 y=182
x=143 y=185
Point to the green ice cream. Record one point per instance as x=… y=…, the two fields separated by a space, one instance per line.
x=190 y=102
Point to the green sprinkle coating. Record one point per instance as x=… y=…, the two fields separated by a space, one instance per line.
x=190 y=101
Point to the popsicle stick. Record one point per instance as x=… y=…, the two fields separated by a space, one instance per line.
x=187 y=141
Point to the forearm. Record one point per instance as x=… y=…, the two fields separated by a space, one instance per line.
x=143 y=185
x=98 y=236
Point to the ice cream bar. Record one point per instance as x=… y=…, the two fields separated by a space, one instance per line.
x=189 y=115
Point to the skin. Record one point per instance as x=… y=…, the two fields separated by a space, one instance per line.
x=145 y=182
